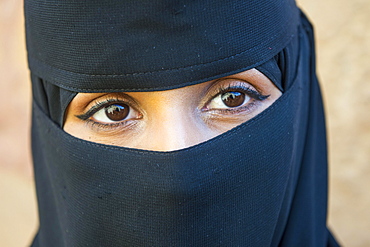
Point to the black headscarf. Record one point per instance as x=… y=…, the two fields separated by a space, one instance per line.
x=263 y=183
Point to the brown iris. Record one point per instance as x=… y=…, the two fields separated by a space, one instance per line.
x=117 y=112
x=233 y=99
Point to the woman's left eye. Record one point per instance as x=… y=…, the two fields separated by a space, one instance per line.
x=229 y=99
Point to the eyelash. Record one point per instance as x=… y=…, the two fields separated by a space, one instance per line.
x=245 y=89
x=97 y=107
x=253 y=94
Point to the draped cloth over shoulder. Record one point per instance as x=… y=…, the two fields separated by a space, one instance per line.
x=263 y=183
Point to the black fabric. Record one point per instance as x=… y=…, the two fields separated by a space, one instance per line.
x=191 y=197
x=263 y=183
x=272 y=71
x=152 y=45
x=53 y=100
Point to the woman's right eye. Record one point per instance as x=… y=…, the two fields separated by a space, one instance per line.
x=112 y=113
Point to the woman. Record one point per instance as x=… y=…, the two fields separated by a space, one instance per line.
x=176 y=123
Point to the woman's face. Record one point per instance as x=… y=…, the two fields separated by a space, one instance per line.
x=172 y=119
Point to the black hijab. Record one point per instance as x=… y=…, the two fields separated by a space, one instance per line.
x=263 y=183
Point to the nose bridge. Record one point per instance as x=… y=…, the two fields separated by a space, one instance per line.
x=175 y=127
x=173 y=120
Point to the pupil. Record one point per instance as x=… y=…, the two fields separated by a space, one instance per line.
x=233 y=99
x=117 y=112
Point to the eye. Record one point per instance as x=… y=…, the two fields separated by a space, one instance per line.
x=233 y=96
x=229 y=99
x=114 y=112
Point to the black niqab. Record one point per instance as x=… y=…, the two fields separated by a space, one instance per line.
x=263 y=183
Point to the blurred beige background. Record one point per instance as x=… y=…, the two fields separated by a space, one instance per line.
x=343 y=51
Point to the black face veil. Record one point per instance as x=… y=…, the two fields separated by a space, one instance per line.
x=263 y=183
